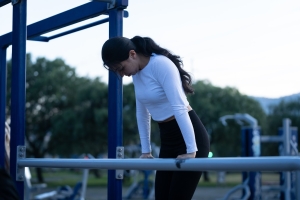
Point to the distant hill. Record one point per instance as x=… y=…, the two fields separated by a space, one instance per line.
x=266 y=102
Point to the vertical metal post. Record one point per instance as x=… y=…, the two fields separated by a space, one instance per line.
x=3 y=77
x=287 y=149
x=84 y=183
x=18 y=87
x=115 y=104
x=297 y=187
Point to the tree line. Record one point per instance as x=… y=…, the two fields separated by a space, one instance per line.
x=67 y=114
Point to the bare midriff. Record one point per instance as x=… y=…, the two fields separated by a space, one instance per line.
x=173 y=117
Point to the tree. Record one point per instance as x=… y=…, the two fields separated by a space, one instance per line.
x=277 y=113
x=83 y=127
x=49 y=89
x=211 y=103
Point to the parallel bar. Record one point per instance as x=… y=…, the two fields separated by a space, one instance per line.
x=115 y=110
x=4 y=2
x=3 y=82
x=18 y=88
x=274 y=163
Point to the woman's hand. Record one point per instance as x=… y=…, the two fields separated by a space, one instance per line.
x=146 y=155
x=185 y=156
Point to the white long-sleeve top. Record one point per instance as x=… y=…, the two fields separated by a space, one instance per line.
x=159 y=93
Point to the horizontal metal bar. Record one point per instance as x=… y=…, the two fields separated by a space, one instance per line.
x=79 y=28
x=274 y=163
x=271 y=139
x=69 y=17
x=40 y=39
x=47 y=39
x=4 y=2
x=6 y=39
x=105 y=1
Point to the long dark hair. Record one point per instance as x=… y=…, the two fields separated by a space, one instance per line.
x=116 y=50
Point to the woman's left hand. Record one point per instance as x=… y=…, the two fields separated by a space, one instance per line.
x=188 y=155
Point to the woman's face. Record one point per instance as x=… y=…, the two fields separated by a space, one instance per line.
x=130 y=66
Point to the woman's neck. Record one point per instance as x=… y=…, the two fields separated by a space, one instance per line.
x=143 y=61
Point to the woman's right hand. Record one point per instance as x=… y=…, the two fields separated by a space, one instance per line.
x=146 y=155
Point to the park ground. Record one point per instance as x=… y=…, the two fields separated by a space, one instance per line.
x=97 y=187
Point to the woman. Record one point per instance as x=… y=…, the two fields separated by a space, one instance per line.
x=8 y=190
x=160 y=87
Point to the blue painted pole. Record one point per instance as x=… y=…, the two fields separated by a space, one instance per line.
x=2 y=103
x=115 y=104
x=18 y=87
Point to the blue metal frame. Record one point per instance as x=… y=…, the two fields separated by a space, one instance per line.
x=115 y=110
x=72 y=16
x=18 y=80
x=47 y=39
x=4 y=2
x=3 y=79
x=34 y=31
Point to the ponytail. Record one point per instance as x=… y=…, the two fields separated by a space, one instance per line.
x=116 y=50
x=146 y=46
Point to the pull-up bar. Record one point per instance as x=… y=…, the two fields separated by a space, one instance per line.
x=47 y=39
x=69 y=17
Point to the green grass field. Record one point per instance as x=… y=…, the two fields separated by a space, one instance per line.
x=59 y=177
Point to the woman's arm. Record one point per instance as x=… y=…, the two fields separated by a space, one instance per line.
x=168 y=76
x=143 y=122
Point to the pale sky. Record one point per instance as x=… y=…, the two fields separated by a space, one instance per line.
x=253 y=46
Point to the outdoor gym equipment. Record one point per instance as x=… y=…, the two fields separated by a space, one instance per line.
x=114 y=10
x=65 y=192
x=251 y=141
x=250 y=148
x=141 y=188
x=287 y=139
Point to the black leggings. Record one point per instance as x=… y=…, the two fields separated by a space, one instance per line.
x=181 y=185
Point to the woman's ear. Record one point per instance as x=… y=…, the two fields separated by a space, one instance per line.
x=132 y=53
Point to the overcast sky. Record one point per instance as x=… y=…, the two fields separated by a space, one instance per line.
x=253 y=46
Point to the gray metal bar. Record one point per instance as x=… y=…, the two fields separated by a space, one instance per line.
x=84 y=183
x=119 y=155
x=238 y=117
x=286 y=152
x=274 y=163
x=265 y=138
x=287 y=136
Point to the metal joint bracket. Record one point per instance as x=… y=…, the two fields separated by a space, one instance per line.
x=112 y=4
x=13 y=2
x=119 y=155
x=20 y=171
